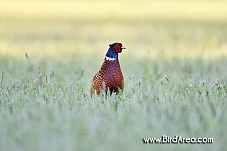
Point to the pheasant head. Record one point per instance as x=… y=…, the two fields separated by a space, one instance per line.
x=114 y=49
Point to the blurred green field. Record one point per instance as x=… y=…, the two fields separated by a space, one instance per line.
x=174 y=68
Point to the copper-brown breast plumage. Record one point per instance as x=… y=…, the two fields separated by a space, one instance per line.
x=109 y=78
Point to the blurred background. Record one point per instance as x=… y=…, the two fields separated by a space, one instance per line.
x=154 y=29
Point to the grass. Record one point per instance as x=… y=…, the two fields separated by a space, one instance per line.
x=175 y=83
x=57 y=115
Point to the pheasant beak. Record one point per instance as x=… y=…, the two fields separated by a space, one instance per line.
x=123 y=47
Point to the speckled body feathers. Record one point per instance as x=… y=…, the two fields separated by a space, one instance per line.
x=109 y=78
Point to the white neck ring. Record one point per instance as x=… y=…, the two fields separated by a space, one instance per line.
x=110 y=59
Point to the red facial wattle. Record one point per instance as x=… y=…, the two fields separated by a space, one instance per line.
x=118 y=48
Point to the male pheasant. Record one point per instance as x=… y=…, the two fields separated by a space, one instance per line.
x=109 y=78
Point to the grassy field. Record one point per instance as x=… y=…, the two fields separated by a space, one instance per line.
x=174 y=68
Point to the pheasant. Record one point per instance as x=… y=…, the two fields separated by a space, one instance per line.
x=109 y=77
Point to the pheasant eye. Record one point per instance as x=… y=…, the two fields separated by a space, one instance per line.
x=118 y=48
